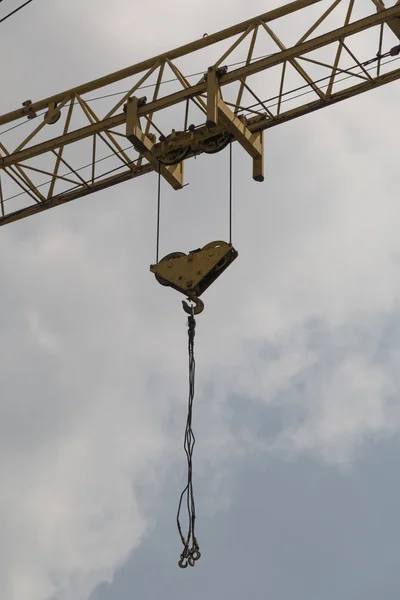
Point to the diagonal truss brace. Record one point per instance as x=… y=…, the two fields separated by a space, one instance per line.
x=173 y=174
x=19 y=165
x=200 y=88
x=218 y=112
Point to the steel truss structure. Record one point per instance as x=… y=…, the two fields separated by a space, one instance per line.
x=248 y=80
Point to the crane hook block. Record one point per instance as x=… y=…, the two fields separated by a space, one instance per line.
x=191 y=274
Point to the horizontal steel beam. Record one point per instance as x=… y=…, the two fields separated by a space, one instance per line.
x=204 y=42
x=74 y=194
x=253 y=126
x=356 y=90
x=201 y=88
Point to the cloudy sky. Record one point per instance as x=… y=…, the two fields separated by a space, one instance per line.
x=297 y=412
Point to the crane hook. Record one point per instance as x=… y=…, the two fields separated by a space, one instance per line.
x=193 y=310
x=183 y=563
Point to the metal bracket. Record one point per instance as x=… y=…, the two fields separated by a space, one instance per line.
x=218 y=111
x=28 y=110
x=143 y=144
x=394 y=24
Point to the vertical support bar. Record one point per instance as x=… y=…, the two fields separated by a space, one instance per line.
x=258 y=163
x=134 y=131
x=1 y=198
x=94 y=158
x=213 y=97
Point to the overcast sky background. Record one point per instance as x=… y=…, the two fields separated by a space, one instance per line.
x=297 y=412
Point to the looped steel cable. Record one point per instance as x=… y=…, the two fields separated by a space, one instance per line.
x=191 y=552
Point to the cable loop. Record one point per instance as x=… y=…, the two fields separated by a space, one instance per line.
x=190 y=553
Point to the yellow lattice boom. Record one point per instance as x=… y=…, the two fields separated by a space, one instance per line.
x=283 y=64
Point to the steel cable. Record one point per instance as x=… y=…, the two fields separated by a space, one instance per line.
x=15 y=11
x=190 y=553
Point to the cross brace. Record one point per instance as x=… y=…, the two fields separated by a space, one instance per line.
x=201 y=88
x=227 y=118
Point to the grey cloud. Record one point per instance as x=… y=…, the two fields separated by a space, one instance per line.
x=293 y=529
x=94 y=352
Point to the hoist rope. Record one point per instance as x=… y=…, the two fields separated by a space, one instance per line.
x=230 y=192
x=158 y=211
x=190 y=553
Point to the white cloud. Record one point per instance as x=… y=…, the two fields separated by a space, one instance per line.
x=354 y=405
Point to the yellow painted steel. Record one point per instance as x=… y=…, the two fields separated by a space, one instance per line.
x=131 y=129
x=191 y=274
